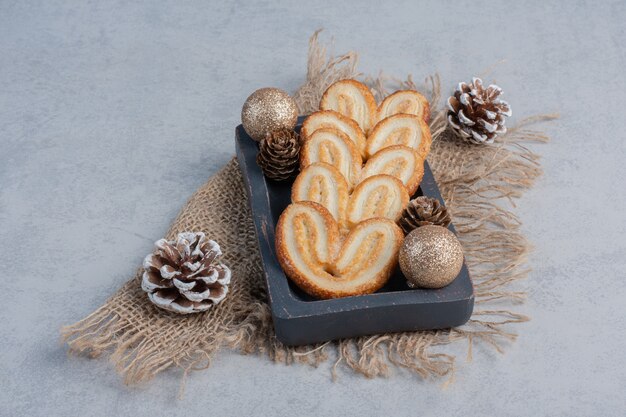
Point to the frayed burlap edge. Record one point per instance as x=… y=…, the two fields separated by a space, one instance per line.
x=479 y=184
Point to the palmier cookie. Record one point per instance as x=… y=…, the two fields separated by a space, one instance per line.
x=404 y=101
x=399 y=161
x=332 y=119
x=377 y=196
x=400 y=129
x=309 y=250
x=333 y=147
x=323 y=184
x=352 y=99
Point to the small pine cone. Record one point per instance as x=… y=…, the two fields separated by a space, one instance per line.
x=184 y=275
x=476 y=113
x=279 y=154
x=423 y=211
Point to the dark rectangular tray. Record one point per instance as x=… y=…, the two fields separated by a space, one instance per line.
x=300 y=319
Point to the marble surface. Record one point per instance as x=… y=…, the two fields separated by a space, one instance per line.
x=113 y=113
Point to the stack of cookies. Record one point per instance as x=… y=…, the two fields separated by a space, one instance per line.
x=360 y=163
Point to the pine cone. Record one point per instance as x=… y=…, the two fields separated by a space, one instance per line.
x=476 y=113
x=184 y=276
x=279 y=154
x=423 y=211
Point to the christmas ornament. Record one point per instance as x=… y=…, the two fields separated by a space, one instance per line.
x=423 y=211
x=430 y=257
x=476 y=113
x=266 y=110
x=279 y=154
x=184 y=275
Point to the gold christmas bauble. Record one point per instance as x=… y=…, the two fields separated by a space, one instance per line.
x=267 y=110
x=430 y=257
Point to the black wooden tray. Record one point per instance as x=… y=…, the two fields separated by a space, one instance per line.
x=300 y=319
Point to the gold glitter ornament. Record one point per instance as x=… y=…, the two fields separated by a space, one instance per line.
x=267 y=110
x=430 y=257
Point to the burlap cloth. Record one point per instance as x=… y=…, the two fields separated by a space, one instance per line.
x=478 y=184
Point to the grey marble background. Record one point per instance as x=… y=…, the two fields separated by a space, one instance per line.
x=113 y=112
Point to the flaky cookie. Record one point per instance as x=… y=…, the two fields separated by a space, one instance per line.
x=398 y=161
x=404 y=101
x=400 y=129
x=323 y=184
x=311 y=254
x=352 y=99
x=332 y=146
x=376 y=196
x=379 y=195
x=332 y=119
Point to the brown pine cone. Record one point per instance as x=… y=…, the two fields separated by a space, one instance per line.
x=423 y=211
x=476 y=113
x=184 y=275
x=279 y=154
